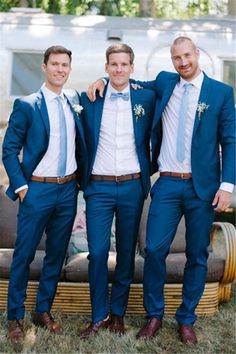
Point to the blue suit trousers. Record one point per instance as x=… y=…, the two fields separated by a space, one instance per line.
x=171 y=199
x=48 y=207
x=104 y=200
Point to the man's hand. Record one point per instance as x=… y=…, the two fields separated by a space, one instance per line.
x=222 y=200
x=22 y=194
x=97 y=85
x=136 y=86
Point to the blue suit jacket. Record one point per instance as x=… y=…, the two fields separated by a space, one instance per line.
x=28 y=130
x=92 y=115
x=216 y=126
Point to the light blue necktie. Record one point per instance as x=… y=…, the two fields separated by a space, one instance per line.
x=180 y=148
x=63 y=139
x=115 y=95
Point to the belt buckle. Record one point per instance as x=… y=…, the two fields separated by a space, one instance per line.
x=117 y=179
x=59 y=180
x=182 y=175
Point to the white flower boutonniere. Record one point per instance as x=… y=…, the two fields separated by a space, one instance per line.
x=77 y=108
x=138 y=111
x=201 y=107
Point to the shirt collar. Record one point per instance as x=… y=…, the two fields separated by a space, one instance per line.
x=110 y=89
x=50 y=95
x=197 y=82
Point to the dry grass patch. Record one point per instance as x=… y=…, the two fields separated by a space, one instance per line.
x=216 y=335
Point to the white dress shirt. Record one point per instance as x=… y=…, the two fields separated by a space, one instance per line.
x=116 y=153
x=167 y=160
x=48 y=166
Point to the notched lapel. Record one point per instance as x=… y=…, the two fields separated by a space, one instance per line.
x=40 y=101
x=168 y=92
x=98 y=109
x=203 y=98
x=135 y=101
x=73 y=99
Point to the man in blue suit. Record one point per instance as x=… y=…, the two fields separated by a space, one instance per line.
x=117 y=132
x=195 y=180
x=46 y=128
x=194 y=185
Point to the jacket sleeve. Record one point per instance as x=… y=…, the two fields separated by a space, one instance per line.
x=227 y=133
x=12 y=145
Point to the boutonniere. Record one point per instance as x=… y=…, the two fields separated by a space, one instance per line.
x=138 y=111
x=77 y=108
x=201 y=107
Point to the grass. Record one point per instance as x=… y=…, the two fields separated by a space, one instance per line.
x=216 y=335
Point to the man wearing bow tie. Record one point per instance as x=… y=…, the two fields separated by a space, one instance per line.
x=117 y=131
x=194 y=116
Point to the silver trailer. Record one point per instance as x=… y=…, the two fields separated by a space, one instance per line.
x=24 y=36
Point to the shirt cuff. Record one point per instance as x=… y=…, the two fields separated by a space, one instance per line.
x=227 y=187
x=25 y=186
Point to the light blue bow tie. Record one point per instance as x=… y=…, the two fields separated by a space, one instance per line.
x=115 y=95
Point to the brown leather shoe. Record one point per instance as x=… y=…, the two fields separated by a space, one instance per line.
x=150 y=329
x=187 y=334
x=46 y=320
x=16 y=331
x=93 y=328
x=117 y=325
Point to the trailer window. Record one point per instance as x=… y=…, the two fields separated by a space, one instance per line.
x=26 y=73
x=229 y=75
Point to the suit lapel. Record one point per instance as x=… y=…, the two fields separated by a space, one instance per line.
x=40 y=101
x=165 y=99
x=168 y=92
x=135 y=100
x=74 y=99
x=203 y=98
x=98 y=109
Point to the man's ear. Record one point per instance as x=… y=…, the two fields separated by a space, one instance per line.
x=43 y=67
x=106 y=67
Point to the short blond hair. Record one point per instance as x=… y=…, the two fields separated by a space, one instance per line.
x=182 y=39
x=120 y=48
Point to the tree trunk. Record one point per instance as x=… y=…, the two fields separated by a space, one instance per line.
x=147 y=8
x=24 y=3
x=232 y=7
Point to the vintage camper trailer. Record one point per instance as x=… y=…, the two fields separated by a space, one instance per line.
x=25 y=36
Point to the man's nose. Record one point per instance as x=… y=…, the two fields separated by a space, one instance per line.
x=184 y=62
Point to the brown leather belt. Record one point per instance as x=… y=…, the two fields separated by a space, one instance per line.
x=177 y=174
x=58 y=180
x=116 y=178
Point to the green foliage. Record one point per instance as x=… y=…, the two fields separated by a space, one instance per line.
x=5 y=5
x=100 y=7
x=54 y=7
x=129 y=8
x=78 y=7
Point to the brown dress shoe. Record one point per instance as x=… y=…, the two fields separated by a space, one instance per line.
x=16 y=331
x=93 y=328
x=149 y=329
x=46 y=320
x=187 y=334
x=117 y=325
